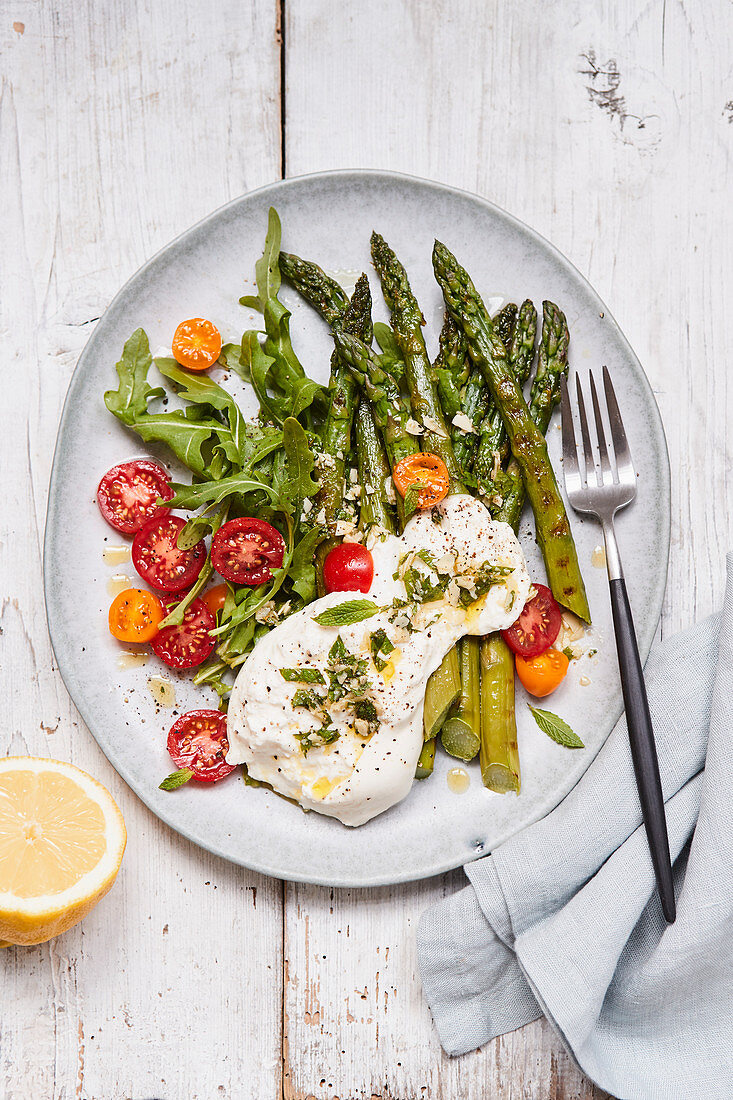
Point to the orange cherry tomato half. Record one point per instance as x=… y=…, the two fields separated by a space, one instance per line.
x=196 y=344
x=134 y=615
x=215 y=598
x=428 y=472
x=542 y=674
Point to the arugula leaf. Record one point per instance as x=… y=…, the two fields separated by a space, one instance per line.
x=284 y=372
x=187 y=433
x=212 y=674
x=347 y=613
x=267 y=268
x=197 y=527
x=130 y=399
x=297 y=482
x=175 y=780
x=258 y=365
x=199 y=389
x=183 y=436
x=214 y=492
x=302 y=571
x=556 y=728
x=231 y=359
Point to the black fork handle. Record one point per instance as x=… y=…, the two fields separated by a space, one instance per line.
x=643 y=749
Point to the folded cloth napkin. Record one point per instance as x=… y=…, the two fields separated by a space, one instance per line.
x=564 y=918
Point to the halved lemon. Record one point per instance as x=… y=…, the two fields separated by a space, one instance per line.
x=62 y=837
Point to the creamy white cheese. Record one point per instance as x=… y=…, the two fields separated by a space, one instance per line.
x=357 y=776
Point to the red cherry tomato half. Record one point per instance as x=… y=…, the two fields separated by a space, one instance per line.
x=199 y=741
x=158 y=558
x=245 y=551
x=348 y=568
x=127 y=494
x=189 y=644
x=537 y=627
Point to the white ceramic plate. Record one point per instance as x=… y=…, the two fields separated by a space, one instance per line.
x=329 y=218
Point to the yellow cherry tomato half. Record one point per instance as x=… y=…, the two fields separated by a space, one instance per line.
x=542 y=674
x=196 y=344
x=427 y=472
x=215 y=597
x=135 y=615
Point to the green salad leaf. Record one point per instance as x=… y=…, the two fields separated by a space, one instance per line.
x=302 y=571
x=297 y=482
x=130 y=400
x=555 y=728
x=175 y=780
x=282 y=386
x=347 y=613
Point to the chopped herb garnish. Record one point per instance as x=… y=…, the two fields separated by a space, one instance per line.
x=305 y=697
x=303 y=675
x=381 y=647
x=176 y=780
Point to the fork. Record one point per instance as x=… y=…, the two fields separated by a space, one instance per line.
x=613 y=487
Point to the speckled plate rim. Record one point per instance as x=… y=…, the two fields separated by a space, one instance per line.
x=74 y=683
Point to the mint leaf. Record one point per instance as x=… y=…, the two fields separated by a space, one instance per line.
x=555 y=728
x=302 y=675
x=176 y=780
x=347 y=613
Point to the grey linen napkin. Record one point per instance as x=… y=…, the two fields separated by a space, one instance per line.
x=563 y=919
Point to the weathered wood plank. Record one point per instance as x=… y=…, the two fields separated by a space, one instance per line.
x=120 y=125
x=607 y=128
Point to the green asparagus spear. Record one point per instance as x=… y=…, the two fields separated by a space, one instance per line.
x=441 y=692
x=451 y=368
x=336 y=431
x=504 y=323
x=373 y=469
x=426 y=760
x=498 y=726
x=318 y=288
x=526 y=440
x=499 y=755
x=521 y=347
x=407 y=321
x=474 y=405
x=388 y=405
x=544 y=396
x=517 y=333
x=460 y=734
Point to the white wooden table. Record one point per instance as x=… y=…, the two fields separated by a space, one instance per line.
x=608 y=127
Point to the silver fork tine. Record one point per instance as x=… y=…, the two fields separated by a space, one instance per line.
x=624 y=463
x=570 y=464
x=606 y=469
x=590 y=462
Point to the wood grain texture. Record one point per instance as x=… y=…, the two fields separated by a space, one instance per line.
x=608 y=128
x=95 y=178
